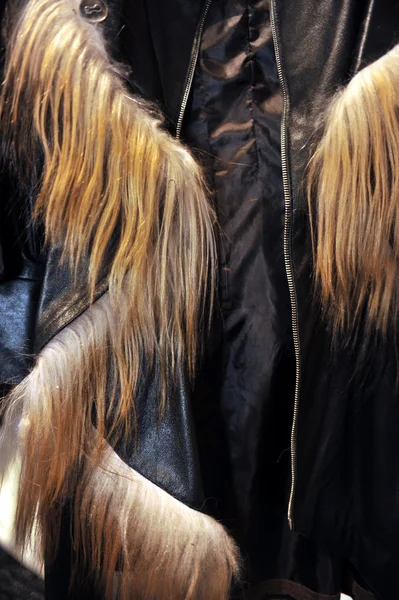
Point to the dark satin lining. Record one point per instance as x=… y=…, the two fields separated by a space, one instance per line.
x=268 y=589
x=245 y=390
x=235 y=121
x=347 y=442
x=296 y=591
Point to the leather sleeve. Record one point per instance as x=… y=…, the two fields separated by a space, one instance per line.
x=21 y=275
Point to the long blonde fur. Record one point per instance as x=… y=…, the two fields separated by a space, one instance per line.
x=115 y=189
x=113 y=182
x=353 y=191
x=125 y=528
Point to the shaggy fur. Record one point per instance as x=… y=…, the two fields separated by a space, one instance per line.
x=169 y=550
x=113 y=187
x=353 y=190
x=113 y=181
x=162 y=549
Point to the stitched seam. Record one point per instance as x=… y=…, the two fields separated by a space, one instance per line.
x=222 y=299
x=251 y=83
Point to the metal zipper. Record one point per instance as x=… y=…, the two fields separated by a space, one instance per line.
x=191 y=68
x=287 y=257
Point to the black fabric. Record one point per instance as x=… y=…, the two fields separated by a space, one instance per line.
x=156 y=40
x=162 y=450
x=58 y=568
x=346 y=443
x=165 y=450
x=63 y=297
x=235 y=122
x=245 y=389
x=38 y=298
x=21 y=269
x=20 y=283
x=345 y=504
x=17 y=582
x=383 y=31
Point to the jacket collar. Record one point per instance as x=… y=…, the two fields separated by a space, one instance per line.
x=159 y=50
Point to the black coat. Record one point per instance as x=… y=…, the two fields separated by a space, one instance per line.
x=229 y=78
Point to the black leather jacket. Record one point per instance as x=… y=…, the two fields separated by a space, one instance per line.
x=269 y=369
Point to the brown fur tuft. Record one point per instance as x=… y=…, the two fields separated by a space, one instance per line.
x=113 y=182
x=112 y=186
x=353 y=190
x=125 y=528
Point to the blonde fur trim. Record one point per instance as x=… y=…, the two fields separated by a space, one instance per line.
x=353 y=190
x=121 y=521
x=116 y=188
x=112 y=186
x=168 y=549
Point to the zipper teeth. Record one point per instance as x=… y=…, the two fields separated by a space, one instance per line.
x=287 y=259
x=191 y=69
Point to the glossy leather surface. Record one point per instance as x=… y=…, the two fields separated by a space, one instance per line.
x=156 y=41
x=63 y=298
x=20 y=284
x=234 y=122
x=164 y=449
x=346 y=500
x=246 y=387
x=347 y=442
x=39 y=297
